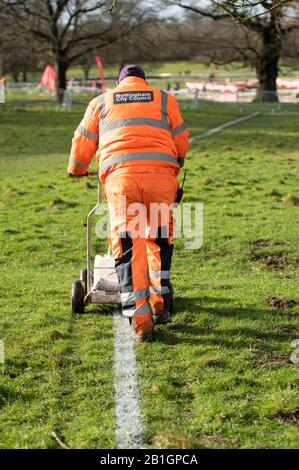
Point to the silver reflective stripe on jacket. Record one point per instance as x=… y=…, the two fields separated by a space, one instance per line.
x=102 y=106
x=155 y=156
x=77 y=164
x=179 y=129
x=86 y=133
x=164 y=99
x=140 y=121
x=110 y=126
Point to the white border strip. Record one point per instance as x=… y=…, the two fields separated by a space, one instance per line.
x=127 y=403
x=214 y=130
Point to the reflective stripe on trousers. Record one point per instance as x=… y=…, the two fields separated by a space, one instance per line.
x=155 y=156
x=135 y=300
x=128 y=298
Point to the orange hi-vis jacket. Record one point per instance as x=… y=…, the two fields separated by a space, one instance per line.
x=133 y=128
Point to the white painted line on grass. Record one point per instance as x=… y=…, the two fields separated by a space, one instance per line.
x=214 y=130
x=127 y=402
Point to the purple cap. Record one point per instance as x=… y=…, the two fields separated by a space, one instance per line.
x=136 y=72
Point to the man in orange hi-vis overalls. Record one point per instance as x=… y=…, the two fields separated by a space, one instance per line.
x=140 y=140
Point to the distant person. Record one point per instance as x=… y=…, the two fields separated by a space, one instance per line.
x=141 y=141
x=3 y=80
x=70 y=83
x=212 y=77
x=2 y=89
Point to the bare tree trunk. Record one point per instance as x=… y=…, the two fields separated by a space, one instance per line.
x=86 y=70
x=15 y=75
x=62 y=66
x=267 y=67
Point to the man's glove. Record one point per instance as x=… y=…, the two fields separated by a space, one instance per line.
x=181 y=162
x=78 y=176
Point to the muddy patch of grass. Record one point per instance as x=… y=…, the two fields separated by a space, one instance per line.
x=287 y=417
x=261 y=243
x=291 y=200
x=273 y=360
x=214 y=440
x=276 y=262
x=289 y=329
x=59 y=202
x=278 y=302
x=171 y=440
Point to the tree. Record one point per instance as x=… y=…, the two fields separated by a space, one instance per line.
x=15 y=55
x=144 y=45
x=270 y=20
x=72 y=28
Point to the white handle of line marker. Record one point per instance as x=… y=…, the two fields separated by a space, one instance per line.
x=214 y=130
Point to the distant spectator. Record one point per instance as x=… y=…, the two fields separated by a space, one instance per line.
x=3 y=80
x=212 y=76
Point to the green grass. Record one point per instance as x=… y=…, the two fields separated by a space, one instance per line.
x=167 y=67
x=112 y=70
x=177 y=67
x=220 y=374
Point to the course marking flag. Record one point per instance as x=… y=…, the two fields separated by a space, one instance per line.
x=100 y=67
x=48 y=78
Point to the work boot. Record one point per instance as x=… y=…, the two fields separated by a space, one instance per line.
x=140 y=337
x=143 y=337
x=162 y=318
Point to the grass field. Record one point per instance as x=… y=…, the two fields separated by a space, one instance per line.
x=220 y=375
x=174 y=68
x=167 y=67
x=111 y=70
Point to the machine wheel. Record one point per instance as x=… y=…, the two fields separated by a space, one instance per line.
x=83 y=277
x=171 y=305
x=78 y=294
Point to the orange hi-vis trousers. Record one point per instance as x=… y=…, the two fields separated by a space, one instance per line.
x=140 y=209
